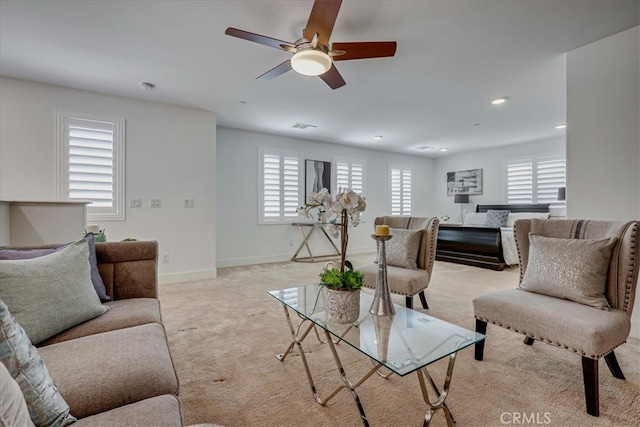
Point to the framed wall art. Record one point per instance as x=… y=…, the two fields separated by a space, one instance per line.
x=464 y=182
x=317 y=176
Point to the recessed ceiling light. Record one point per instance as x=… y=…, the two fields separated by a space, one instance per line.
x=444 y=150
x=377 y=137
x=499 y=101
x=562 y=126
x=147 y=86
x=425 y=148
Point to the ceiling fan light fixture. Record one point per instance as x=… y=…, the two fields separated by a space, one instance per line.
x=311 y=62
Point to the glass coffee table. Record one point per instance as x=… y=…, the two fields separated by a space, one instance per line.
x=401 y=344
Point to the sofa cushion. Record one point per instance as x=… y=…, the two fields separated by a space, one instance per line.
x=402 y=249
x=573 y=269
x=101 y=372
x=13 y=407
x=576 y=327
x=122 y=314
x=497 y=218
x=51 y=293
x=28 y=253
x=45 y=404
x=156 y=411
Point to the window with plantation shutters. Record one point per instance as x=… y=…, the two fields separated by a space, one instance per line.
x=401 y=190
x=520 y=181
x=91 y=164
x=550 y=175
x=536 y=180
x=279 y=186
x=349 y=174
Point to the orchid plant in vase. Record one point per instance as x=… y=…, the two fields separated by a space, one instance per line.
x=341 y=211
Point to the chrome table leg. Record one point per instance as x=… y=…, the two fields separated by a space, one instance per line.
x=442 y=395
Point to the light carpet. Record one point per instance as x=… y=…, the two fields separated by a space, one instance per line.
x=224 y=334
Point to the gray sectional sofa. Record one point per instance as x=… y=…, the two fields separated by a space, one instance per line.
x=116 y=369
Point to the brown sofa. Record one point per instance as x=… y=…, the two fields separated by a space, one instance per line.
x=116 y=369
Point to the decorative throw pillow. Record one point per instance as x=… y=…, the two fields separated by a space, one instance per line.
x=51 y=293
x=13 y=408
x=402 y=249
x=45 y=404
x=96 y=279
x=573 y=269
x=475 y=218
x=497 y=218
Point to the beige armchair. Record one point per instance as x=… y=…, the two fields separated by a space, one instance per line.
x=412 y=272
x=574 y=257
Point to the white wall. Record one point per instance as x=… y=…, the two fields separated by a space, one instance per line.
x=603 y=136
x=170 y=154
x=240 y=240
x=493 y=163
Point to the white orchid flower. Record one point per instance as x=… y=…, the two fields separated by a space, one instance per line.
x=333 y=230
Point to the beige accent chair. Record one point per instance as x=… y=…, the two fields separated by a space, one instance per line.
x=406 y=281
x=590 y=332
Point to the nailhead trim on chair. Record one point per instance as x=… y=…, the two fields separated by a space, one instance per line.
x=632 y=263
x=548 y=341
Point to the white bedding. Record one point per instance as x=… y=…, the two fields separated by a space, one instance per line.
x=509 y=250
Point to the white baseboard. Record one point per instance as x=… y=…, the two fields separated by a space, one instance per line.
x=187 y=276
x=236 y=262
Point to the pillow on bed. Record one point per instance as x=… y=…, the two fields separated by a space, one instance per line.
x=513 y=217
x=497 y=218
x=475 y=218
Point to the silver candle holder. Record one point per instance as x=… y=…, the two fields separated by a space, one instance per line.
x=382 y=304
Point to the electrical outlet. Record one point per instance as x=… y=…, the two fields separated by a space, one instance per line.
x=188 y=203
x=135 y=203
x=165 y=258
x=155 y=203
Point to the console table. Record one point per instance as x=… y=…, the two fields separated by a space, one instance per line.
x=312 y=226
x=401 y=344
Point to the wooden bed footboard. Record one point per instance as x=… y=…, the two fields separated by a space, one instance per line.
x=478 y=246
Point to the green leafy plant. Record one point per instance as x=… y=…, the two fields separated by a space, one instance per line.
x=333 y=278
x=130 y=239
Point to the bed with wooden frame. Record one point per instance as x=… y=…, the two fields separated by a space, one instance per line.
x=479 y=245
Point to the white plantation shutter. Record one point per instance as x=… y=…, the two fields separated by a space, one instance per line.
x=280 y=186
x=520 y=181
x=401 y=191
x=91 y=162
x=349 y=174
x=536 y=180
x=91 y=155
x=550 y=175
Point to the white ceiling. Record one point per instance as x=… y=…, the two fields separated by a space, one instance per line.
x=453 y=58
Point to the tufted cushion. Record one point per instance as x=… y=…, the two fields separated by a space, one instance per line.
x=46 y=405
x=51 y=293
x=402 y=248
x=497 y=218
x=573 y=269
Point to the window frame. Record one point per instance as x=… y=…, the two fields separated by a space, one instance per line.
x=535 y=162
x=351 y=163
x=403 y=169
x=61 y=167
x=282 y=219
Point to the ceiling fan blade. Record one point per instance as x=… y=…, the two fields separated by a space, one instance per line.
x=321 y=20
x=257 y=38
x=363 y=50
x=333 y=78
x=276 y=71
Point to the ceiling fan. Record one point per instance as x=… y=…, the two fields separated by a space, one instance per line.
x=312 y=54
